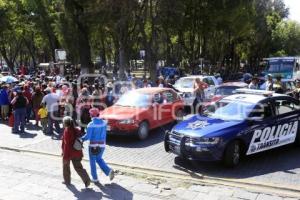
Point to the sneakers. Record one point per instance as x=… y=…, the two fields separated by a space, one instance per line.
x=111 y=175
x=87 y=184
x=66 y=183
x=95 y=180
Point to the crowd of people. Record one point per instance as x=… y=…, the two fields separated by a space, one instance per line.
x=278 y=86
x=50 y=101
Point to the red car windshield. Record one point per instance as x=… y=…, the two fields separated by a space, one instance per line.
x=134 y=99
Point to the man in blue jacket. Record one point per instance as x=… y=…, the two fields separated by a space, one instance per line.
x=96 y=134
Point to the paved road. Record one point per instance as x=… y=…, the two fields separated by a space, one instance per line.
x=279 y=166
x=38 y=177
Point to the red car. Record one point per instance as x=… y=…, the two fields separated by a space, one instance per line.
x=142 y=110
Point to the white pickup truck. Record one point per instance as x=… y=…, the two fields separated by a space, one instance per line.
x=185 y=87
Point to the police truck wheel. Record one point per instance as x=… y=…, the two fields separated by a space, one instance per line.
x=166 y=142
x=297 y=140
x=232 y=154
x=143 y=130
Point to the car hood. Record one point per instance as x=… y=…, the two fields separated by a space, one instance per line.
x=182 y=89
x=120 y=112
x=199 y=126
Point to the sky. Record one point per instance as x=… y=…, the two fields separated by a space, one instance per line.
x=294 y=6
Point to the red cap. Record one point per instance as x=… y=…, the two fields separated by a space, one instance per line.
x=94 y=112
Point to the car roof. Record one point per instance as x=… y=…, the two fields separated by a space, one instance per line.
x=152 y=90
x=251 y=98
x=237 y=84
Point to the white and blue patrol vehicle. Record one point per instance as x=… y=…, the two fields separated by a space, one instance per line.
x=245 y=123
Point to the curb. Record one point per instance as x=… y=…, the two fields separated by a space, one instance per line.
x=198 y=179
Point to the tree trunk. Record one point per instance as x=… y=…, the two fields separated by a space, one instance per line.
x=122 y=61
x=85 y=51
x=77 y=11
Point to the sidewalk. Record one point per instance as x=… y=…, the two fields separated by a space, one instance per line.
x=31 y=176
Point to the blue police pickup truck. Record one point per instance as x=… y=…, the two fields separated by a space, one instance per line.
x=245 y=123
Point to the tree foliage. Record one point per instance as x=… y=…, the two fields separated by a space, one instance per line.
x=223 y=33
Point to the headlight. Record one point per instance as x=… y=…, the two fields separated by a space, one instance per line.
x=203 y=140
x=126 y=121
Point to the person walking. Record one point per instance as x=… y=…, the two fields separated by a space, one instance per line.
x=96 y=134
x=71 y=133
x=37 y=98
x=52 y=100
x=19 y=104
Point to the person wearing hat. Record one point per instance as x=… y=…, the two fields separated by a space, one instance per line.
x=269 y=82
x=19 y=104
x=278 y=85
x=96 y=134
x=37 y=98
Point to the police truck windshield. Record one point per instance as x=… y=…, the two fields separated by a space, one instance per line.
x=229 y=110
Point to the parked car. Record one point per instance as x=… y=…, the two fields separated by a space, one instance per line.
x=138 y=111
x=184 y=86
x=226 y=89
x=240 y=124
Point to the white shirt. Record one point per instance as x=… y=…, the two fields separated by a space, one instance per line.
x=220 y=80
x=51 y=101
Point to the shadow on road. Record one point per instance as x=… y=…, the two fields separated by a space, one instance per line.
x=27 y=135
x=115 y=191
x=85 y=193
x=131 y=141
x=284 y=159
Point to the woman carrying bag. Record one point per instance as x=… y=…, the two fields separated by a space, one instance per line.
x=69 y=153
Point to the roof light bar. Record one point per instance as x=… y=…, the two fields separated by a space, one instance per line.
x=251 y=91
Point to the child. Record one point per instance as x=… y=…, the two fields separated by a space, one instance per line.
x=42 y=113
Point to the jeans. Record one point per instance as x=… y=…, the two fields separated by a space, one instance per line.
x=20 y=116
x=53 y=119
x=99 y=160
x=28 y=112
